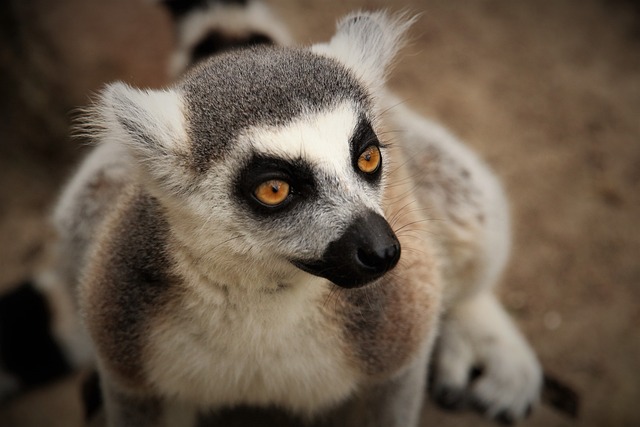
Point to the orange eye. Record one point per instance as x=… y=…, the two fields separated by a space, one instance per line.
x=272 y=192
x=370 y=159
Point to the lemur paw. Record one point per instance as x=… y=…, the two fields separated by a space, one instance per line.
x=482 y=362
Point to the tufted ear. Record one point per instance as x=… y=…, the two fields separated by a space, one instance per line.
x=151 y=123
x=367 y=42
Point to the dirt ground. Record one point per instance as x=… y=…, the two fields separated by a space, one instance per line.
x=547 y=91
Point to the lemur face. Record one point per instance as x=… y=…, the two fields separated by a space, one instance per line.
x=271 y=154
x=315 y=185
x=302 y=167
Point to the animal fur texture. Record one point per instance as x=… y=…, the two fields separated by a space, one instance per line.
x=197 y=297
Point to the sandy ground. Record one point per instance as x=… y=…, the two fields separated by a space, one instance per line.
x=548 y=91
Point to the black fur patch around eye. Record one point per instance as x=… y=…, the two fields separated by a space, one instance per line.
x=27 y=348
x=363 y=137
x=216 y=42
x=297 y=173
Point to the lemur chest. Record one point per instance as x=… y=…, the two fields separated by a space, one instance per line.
x=294 y=349
x=280 y=348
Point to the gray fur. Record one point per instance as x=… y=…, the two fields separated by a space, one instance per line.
x=266 y=86
x=133 y=280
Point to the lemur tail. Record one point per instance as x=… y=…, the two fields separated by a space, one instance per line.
x=30 y=356
x=207 y=27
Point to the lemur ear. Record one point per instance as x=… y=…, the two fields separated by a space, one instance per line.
x=367 y=42
x=151 y=123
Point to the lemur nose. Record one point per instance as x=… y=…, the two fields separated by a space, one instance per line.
x=367 y=249
x=379 y=259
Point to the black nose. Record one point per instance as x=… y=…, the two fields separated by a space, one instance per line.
x=367 y=249
x=379 y=260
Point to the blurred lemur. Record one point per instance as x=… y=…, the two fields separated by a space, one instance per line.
x=276 y=230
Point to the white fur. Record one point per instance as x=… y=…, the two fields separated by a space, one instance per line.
x=158 y=114
x=241 y=338
x=368 y=45
x=491 y=240
x=478 y=332
x=109 y=157
x=234 y=20
x=321 y=138
x=159 y=142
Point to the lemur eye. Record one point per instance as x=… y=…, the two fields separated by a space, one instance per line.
x=370 y=159
x=272 y=192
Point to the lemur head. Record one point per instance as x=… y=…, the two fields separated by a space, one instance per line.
x=268 y=158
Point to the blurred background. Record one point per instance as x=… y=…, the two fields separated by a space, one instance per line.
x=547 y=91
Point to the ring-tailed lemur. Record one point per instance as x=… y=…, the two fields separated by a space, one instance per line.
x=256 y=235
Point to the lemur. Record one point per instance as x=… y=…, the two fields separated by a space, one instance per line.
x=276 y=230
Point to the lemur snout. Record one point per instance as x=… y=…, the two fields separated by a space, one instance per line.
x=366 y=250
